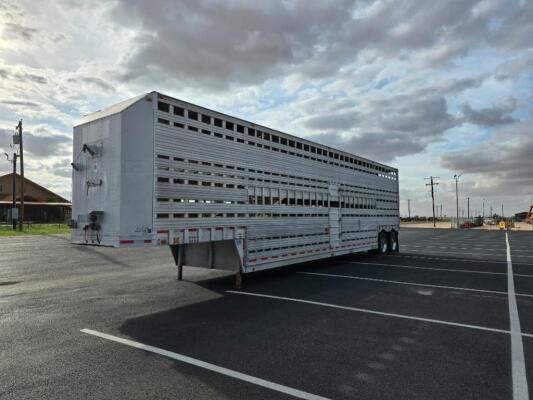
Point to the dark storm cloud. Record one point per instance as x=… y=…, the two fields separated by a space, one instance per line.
x=459 y=85
x=237 y=42
x=337 y=121
x=492 y=116
x=378 y=146
x=62 y=169
x=30 y=104
x=220 y=43
x=17 y=31
x=387 y=128
x=37 y=145
x=516 y=30
x=22 y=76
x=506 y=161
x=44 y=146
x=93 y=81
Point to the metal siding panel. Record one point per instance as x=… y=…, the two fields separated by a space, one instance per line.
x=272 y=177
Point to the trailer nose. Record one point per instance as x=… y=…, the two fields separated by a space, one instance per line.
x=92 y=229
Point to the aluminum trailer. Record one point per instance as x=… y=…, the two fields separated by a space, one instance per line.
x=223 y=192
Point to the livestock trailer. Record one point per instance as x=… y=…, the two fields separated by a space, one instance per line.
x=223 y=192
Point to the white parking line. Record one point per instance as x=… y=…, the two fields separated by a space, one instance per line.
x=520 y=389
x=374 y=312
x=446 y=259
x=466 y=271
x=461 y=247
x=410 y=283
x=475 y=242
x=452 y=259
x=409 y=248
x=211 y=367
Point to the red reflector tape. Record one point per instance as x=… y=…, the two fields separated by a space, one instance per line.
x=163 y=231
x=126 y=241
x=192 y=229
x=148 y=241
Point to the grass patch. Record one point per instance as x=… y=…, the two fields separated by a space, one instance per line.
x=35 y=229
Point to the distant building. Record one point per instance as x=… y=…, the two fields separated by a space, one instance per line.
x=521 y=216
x=40 y=204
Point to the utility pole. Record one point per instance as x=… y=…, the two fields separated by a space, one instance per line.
x=468 y=208
x=456 y=177
x=502 y=210
x=14 y=182
x=432 y=184
x=409 y=208
x=14 y=206
x=21 y=156
x=483 y=210
x=491 y=214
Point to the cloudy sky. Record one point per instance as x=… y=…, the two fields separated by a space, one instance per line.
x=430 y=87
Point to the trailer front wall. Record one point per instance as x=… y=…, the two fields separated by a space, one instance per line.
x=293 y=199
x=96 y=179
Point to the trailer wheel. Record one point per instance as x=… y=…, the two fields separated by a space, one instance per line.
x=382 y=242
x=392 y=242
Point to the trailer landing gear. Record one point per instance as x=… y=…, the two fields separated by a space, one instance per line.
x=177 y=253
x=181 y=258
x=238 y=280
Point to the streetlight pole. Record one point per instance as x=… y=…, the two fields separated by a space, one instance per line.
x=456 y=177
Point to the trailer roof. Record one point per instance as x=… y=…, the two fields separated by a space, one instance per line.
x=123 y=105
x=114 y=109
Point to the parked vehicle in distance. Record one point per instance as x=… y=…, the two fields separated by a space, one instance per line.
x=466 y=225
x=223 y=192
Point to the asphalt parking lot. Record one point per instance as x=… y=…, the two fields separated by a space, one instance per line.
x=436 y=321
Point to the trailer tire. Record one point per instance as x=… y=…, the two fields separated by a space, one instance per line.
x=393 y=246
x=382 y=243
